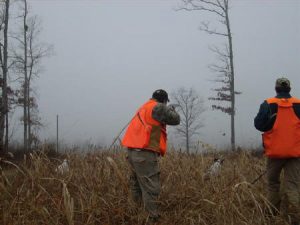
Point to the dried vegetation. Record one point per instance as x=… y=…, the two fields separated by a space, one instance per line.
x=95 y=191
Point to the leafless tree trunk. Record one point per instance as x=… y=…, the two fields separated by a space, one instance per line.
x=219 y=8
x=232 y=88
x=25 y=78
x=4 y=67
x=29 y=116
x=190 y=106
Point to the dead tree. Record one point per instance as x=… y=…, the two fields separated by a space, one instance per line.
x=190 y=106
x=25 y=95
x=220 y=9
x=3 y=80
x=27 y=60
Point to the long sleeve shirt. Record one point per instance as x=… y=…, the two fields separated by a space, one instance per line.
x=165 y=114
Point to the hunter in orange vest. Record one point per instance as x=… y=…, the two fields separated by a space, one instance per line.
x=146 y=140
x=144 y=132
x=279 y=119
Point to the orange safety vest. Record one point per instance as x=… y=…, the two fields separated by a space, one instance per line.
x=144 y=132
x=283 y=140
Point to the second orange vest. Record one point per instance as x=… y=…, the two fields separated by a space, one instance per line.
x=283 y=140
x=144 y=132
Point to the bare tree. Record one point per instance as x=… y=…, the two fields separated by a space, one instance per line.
x=27 y=59
x=4 y=69
x=220 y=9
x=25 y=95
x=190 y=107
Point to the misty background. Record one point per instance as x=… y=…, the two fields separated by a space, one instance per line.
x=111 y=55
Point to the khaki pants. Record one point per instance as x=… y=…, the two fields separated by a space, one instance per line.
x=290 y=188
x=145 y=179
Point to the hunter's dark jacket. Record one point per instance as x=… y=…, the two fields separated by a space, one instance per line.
x=266 y=116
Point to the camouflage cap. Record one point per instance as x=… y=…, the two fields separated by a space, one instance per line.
x=282 y=82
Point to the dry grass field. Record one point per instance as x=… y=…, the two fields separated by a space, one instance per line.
x=95 y=191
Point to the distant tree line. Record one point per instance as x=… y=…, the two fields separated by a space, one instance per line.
x=21 y=54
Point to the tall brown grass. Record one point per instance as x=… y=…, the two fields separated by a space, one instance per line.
x=95 y=191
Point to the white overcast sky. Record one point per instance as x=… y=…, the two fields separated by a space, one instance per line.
x=111 y=55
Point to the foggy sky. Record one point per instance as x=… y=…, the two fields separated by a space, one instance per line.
x=111 y=55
